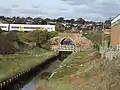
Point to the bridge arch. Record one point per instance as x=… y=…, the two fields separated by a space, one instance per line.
x=67 y=44
x=67 y=41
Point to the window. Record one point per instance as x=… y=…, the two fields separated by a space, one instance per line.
x=31 y=28
x=36 y=27
x=15 y=27
x=2 y=26
x=48 y=28
x=28 y=27
x=51 y=28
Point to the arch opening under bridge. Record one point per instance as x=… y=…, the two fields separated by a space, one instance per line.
x=67 y=44
x=67 y=41
x=66 y=47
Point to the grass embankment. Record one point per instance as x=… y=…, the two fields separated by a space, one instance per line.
x=65 y=75
x=14 y=63
x=95 y=74
x=70 y=65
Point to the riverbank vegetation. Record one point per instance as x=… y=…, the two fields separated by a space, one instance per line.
x=71 y=64
x=14 y=41
x=22 y=50
x=84 y=71
x=70 y=70
x=15 y=63
x=98 y=38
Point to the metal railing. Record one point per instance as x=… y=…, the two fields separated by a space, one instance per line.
x=66 y=48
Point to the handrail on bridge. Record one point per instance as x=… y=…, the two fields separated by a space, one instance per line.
x=66 y=48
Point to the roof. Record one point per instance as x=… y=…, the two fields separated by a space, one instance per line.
x=3 y=22
x=116 y=20
x=115 y=17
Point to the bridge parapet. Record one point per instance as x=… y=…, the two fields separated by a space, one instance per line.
x=66 y=48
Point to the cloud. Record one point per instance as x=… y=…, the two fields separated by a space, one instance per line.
x=15 y=6
x=32 y=12
x=21 y=12
x=4 y=11
x=78 y=2
x=95 y=9
x=35 y=6
x=87 y=9
x=62 y=9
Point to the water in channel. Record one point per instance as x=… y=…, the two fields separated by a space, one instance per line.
x=44 y=74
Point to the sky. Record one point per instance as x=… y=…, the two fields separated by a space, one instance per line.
x=97 y=10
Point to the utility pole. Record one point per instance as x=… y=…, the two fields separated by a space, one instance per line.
x=103 y=36
x=9 y=27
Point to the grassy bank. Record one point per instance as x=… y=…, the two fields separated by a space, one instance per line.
x=89 y=72
x=72 y=73
x=70 y=66
x=94 y=74
x=14 y=63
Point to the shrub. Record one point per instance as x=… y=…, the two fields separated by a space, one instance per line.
x=97 y=47
x=12 y=36
x=6 y=46
x=60 y=27
x=26 y=37
x=1 y=30
x=95 y=37
x=38 y=37
x=52 y=34
x=10 y=43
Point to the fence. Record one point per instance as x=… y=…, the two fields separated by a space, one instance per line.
x=66 y=48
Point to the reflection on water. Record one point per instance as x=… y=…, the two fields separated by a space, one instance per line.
x=44 y=74
x=32 y=85
x=64 y=54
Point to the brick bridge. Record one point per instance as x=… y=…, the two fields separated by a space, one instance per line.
x=67 y=42
x=66 y=45
x=70 y=42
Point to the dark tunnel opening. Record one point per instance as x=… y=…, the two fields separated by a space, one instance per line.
x=67 y=41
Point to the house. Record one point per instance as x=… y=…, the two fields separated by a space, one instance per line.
x=115 y=31
x=3 y=22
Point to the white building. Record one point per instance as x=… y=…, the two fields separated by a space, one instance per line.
x=26 y=27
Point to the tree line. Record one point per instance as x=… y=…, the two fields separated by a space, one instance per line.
x=39 y=20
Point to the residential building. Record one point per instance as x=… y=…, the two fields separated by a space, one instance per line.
x=115 y=31
x=3 y=22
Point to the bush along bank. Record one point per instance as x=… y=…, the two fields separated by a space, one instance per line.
x=13 y=41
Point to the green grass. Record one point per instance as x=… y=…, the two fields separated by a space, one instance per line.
x=76 y=56
x=14 y=63
x=65 y=86
x=60 y=80
x=71 y=65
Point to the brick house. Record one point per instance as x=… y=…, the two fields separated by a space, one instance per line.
x=115 y=31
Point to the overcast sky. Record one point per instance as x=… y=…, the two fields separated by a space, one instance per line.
x=98 y=10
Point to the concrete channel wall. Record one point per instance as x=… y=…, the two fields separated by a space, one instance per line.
x=27 y=74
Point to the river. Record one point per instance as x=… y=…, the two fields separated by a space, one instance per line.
x=41 y=72
x=46 y=73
